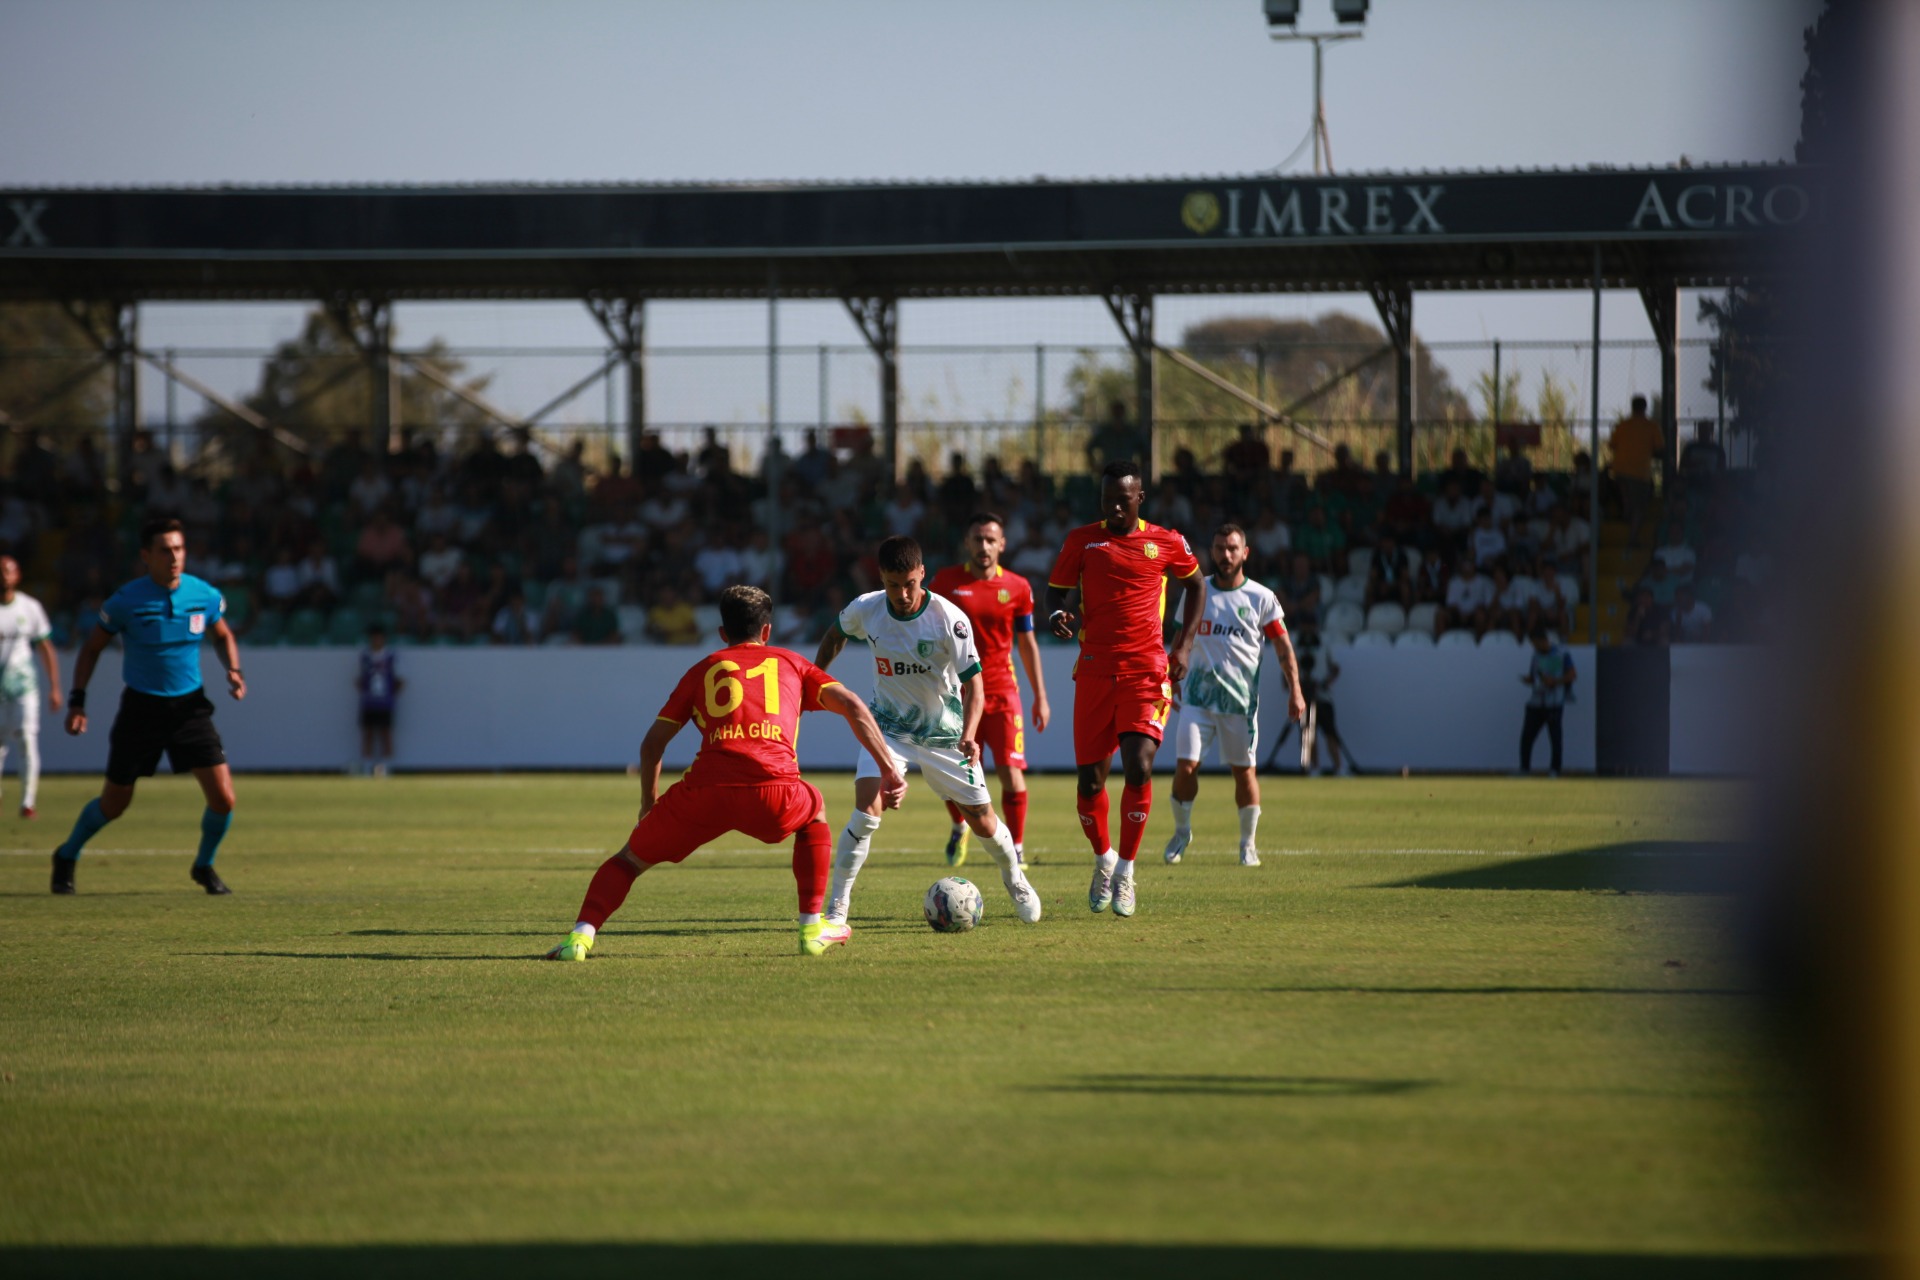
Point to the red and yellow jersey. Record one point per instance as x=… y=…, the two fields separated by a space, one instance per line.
x=746 y=700
x=1123 y=593
x=999 y=606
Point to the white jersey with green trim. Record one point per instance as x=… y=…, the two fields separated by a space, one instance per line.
x=22 y=625
x=1223 y=673
x=919 y=664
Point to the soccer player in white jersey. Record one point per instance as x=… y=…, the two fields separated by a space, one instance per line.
x=928 y=696
x=24 y=632
x=1220 y=700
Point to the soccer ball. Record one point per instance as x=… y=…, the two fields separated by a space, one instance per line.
x=953 y=905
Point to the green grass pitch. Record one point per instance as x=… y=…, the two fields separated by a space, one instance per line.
x=1452 y=1026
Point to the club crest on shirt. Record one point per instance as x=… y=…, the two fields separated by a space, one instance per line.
x=196 y=623
x=1153 y=551
x=1006 y=596
x=926 y=648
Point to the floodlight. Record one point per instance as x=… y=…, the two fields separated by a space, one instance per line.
x=1281 y=13
x=1349 y=11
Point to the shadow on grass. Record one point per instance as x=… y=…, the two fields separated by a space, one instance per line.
x=1332 y=989
x=1233 y=1086
x=924 y=1262
x=1644 y=866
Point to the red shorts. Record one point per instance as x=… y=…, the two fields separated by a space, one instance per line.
x=1005 y=734
x=1106 y=706
x=682 y=820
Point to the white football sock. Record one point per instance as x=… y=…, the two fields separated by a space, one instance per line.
x=29 y=769
x=809 y=917
x=1183 y=817
x=1000 y=845
x=1249 y=821
x=583 y=927
x=849 y=855
x=1125 y=870
x=1109 y=860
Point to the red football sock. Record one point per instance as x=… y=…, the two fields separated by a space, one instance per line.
x=812 y=858
x=1135 y=804
x=1015 y=805
x=1093 y=820
x=607 y=891
x=953 y=811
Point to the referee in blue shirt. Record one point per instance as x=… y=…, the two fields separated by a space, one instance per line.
x=162 y=618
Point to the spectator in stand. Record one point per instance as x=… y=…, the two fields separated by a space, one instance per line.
x=1285 y=486
x=1580 y=486
x=1485 y=542
x=1505 y=507
x=1430 y=579
x=1408 y=513
x=713 y=460
x=1513 y=601
x=1469 y=478
x=411 y=602
x=1676 y=554
x=1299 y=593
x=440 y=562
x=958 y=494
x=1453 y=515
x=1514 y=473
x=814 y=464
x=671 y=620
x=1247 y=457
x=1541 y=500
x=653 y=463
x=811 y=563
x=1345 y=476
x=370 y=489
x=1647 y=619
x=513 y=624
x=283 y=580
x=1469 y=601
x=1389 y=579
x=1660 y=582
x=1171 y=508
x=905 y=514
x=1551 y=608
x=1271 y=540
x=615 y=493
x=1702 y=461
x=1319 y=540
x=663 y=509
x=596 y=622
x=459 y=604
x=718 y=564
x=1116 y=440
x=1634 y=443
x=1186 y=475
x=1035 y=558
x=566 y=597
x=319 y=579
x=568 y=481
x=1550 y=676
x=1566 y=543
x=1692 y=618
x=758 y=562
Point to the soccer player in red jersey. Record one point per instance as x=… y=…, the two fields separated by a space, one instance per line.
x=1000 y=606
x=746 y=699
x=1110 y=586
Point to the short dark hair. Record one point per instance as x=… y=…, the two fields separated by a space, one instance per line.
x=1229 y=527
x=986 y=517
x=1120 y=469
x=157 y=527
x=899 y=554
x=1539 y=632
x=744 y=610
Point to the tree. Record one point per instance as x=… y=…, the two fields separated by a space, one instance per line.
x=319 y=386
x=51 y=377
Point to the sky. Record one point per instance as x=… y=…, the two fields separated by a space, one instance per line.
x=131 y=92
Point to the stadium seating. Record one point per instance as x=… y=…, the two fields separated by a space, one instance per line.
x=1458 y=638
x=1499 y=639
x=1351 y=589
x=1421 y=617
x=1373 y=640
x=633 y=624
x=1387 y=618
x=346 y=627
x=267 y=628
x=305 y=628
x=1413 y=640
x=1344 y=618
x=708 y=616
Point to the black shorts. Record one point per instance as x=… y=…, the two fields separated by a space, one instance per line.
x=376 y=717
x=149 y=725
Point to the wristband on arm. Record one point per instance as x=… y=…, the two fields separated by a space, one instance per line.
x=77 y=700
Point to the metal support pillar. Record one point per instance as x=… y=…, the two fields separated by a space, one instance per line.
x=879 y=323
x=1394 y=301
x=125 y=354
x=1662 y=301
x=1593 y=471
x=1133 y=312
x=624 y=321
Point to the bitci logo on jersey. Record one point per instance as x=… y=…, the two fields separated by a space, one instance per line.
x=888 y=667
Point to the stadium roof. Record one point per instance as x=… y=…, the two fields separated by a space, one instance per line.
x=1702 y=227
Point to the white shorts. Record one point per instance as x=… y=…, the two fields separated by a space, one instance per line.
x=951 y=775
x=20 y=715
x=1199 y=728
